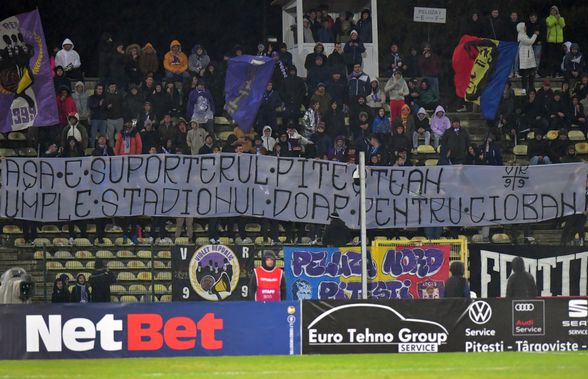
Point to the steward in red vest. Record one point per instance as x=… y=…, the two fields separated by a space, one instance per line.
x=267 y=282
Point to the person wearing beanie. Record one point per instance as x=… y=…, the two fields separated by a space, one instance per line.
x=353 y=50
x=268 y=282
x=521 y=283
x=336 y=233
x=457 y=285
x=100 y=282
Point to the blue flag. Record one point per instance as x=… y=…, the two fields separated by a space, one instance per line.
x=247 y=77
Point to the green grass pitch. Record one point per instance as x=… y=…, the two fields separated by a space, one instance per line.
x=567 y=365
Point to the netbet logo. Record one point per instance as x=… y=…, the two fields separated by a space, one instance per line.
x=145 y=332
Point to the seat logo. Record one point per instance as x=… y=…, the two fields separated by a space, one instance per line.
x=578 y=308
x=480 y=312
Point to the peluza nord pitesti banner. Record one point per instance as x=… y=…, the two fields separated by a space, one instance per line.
x=288 y=189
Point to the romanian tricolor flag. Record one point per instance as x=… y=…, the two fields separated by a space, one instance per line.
x=481 y=68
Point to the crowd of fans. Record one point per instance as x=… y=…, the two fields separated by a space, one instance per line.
x=147 y=102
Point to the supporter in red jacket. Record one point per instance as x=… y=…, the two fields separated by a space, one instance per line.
x=128 y=142
x=65 y=104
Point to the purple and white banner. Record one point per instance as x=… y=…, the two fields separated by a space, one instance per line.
x=27 y=96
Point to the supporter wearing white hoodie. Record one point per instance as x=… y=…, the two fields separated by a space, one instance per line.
x=69 y=59
x=268 y=141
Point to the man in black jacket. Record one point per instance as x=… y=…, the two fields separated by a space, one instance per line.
x=520 y=284
x=292 y=93
x=457 y=285
x=100 y=282
x=336 y=233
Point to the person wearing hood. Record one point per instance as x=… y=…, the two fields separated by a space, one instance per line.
x=457 y=285
x=427 y=97
x=489 y=152
x=60 y=79
x=148 y=60
x=430 y=67
x=267 y=114
x=267 y=282
x=133 y=55
x=323 y=97
x=318 y=73
x=335 y=120
x=196 y=137
x=81 y=99
x=364 y=26
x=336 y=233
x=118 y=61
x=69 y=59
x=128 y=142
x=573 y=63
x=353 y=50
x=422 y=129
x=455 y=142
x=292 y=92
x=381 y=123
x=81 y=291
x=60 y=292
x=285 y=55
x=321 y=140
x=133 y=103
x=100 y=281
x=554 y=38
x=74 y=129
x=307 y=31
x=200 y=107
x=339 y=151
x=310 y=60
x=527 y=64
x=397 y=89
x=198 y=60
x=175 y=63
x=376 y=99
x=65 y=105
x=406 y=119
x=149 y=136
x=439 y=124
x=520 y=284
x=337 y=87
x=267 y=140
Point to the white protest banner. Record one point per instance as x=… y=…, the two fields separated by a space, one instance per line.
x=288 y=189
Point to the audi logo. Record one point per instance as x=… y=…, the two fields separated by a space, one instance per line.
x=524 y=307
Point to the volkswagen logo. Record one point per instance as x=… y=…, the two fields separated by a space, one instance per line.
x=524 y=307
x=480 y=312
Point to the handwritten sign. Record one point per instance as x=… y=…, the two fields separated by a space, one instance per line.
x=432 y=15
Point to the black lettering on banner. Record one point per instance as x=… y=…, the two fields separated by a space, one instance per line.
x=133 y=192
x=112 y=169
x=472 y=212
x=285 y=200
x=150 y=197
x=259 y=171
x=321 y=164
x=242 y=161
x=335 y=177
x=378 y=172
x=190 y=160
x=134 y=164
x=545 y=199
x=34 y=205
x=403 y=212
x=12 y=173
x=223 y=200
x=223 y=168
x=564 y=205
x=302 y=173
x=205 y=169
x=435 y=183
x=415 y=182
x=165 y=199
x=82 y=203
x=241 y=201
x=338 y=199
x=393 y=186
x=170 y=167
x=47 y=200
x=32 y=175
x=97 y=168
x=77 y=163
x=453 y=209
x=528 y=200
x=301 y=199
x=419 y=201
x=46 y=171
x=324 y=204
x=494 y=215
x=436 y=204
x=149 y=169
x=381 y=208
x=260 y=213
x=509 y=206
x=60 y=208
x=282 y=170
x=186 y=202
x=111 y=199
x=204 y=199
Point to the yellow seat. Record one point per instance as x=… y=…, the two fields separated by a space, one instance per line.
x=128 y=299
x=426 y=149
x=223 y=136
x=419 y=238
x=225 y=240
x=60 y=241
x=42 y=242
x=117 y=288
x=82 y=242
x=477 y=238
x=144 y=254
x=27 y=152
x=121 y=242
x=520 y=150
x=114 y=299
x=11 y=229
x=170 y=228
x=4 y=152
x=16 y=136
x=49 y=229
x=163 y=276
x=105 y=242
x=530 y=136
x=552 y=134
x=164 y=254
x=253 y=228
x=260 y=241
x=84 y=254
x=54 y=266
x=157 y=265
x=88 y=151
x=145 y=276
x=113 y=229
x=74 y=265
x=125 y=254
x=136 y=265
x=165 y=298
x=159 y=288
x=62 y=254
x=431 y=162
x=104 y=254
x=126 y=276
x=137 y=288
x=582 y=148
x=40 y=255
x=219 y=120
x=201 y=241
x=500 y=238
x=91 y=265
x=182 y=241
x=91 y=228
x=576 y=135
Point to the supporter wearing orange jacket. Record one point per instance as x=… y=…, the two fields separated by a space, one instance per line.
x=175 y=62
x=128 y=142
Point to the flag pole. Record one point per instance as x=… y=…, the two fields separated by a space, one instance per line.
x=363 y=237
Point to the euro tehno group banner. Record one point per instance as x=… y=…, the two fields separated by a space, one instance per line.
x=287 y=189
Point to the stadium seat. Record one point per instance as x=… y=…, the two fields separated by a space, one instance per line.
x=62 y=254
x=17 y=136
x=477 y=238
x=84 y=254
x=280 y=263
x=143 y=241
x=88 y=151
x=135 y=265
x=40 y=255
x=11 y=229
x=164 y=254
x=425 y=149
x=60 y=241
x=105 y=242
x=82 y=242
x=419 y=238
x=520 y=150
x=20 y=242
x=104 y=254
x=530 y=136
x=182 y=241
x=501 y=238
x=114 y=299
x=117 y=288
x=220 y=120
x=128 y=299
x=146 y=254
x=113 y=229
x=126 y=276
x=54 y=266
x=225 y=240
x=159 y=288
x=165 y=298
x=576 y=135
x=165 y=242
x=74 y=265
x=91 y=228
x=201 y=241
x=49 y=229
x=42 y=242
x=163 y=276
x=125 y=254
x=431 y=162
x=253 y=228
x=91 y=265
x=144 y=276
x=199 y=229
x=137 y=288
x=224 y=135
x=27 y=152
x=157 y=265
x=552 y=134
x=582 y=147
x=4 y=152
x=170 y=228
x=260 y=241
x=115 y=265
x=121 y=242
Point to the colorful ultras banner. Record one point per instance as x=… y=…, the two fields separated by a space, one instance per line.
x=27 y=96
x=119 y=330
x=403 y=272
x=481 y=68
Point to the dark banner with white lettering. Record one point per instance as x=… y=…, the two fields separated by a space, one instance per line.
x=64 y=331
x=444 y=325
x=211 y=272
x=558 y=270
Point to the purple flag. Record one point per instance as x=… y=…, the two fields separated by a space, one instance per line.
x=27 y=96
x=247 y=77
